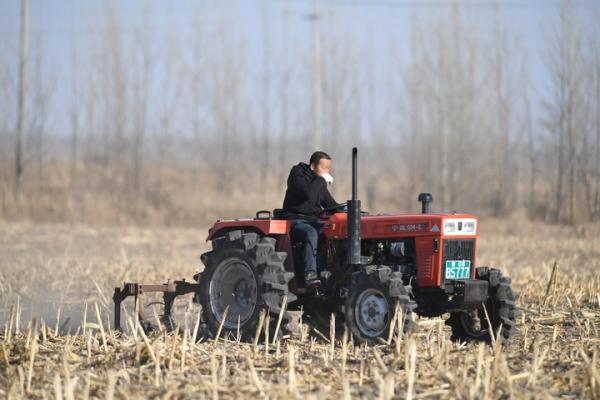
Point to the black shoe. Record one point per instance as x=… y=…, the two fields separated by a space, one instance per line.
x=311 y=279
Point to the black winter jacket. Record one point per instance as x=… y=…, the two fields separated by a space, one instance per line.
x=306 y=194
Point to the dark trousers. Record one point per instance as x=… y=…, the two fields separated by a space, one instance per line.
x=308 y=232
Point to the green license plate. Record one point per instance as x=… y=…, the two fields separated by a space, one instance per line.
x=458 y=269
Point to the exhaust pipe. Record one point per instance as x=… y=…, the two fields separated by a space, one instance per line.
x=354 y=256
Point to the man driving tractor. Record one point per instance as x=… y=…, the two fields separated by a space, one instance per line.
x=305 y=198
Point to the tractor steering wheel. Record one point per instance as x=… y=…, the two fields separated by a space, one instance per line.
x=341 y=207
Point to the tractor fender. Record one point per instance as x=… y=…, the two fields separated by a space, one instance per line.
x=265 y=227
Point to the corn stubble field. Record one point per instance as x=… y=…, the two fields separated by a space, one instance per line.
x=56 y=340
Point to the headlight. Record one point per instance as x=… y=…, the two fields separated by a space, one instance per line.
x=469 y=227
x=449 y=226
x=460 y=226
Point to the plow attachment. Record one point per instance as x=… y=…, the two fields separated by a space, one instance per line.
x=170 y=291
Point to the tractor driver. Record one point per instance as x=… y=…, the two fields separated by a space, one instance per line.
x=305 y=198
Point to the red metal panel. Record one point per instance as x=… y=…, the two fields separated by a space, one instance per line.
x=266 y=226
x=386 y=226
x=427 y=270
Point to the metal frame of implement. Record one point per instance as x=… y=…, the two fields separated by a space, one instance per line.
x=170 y=291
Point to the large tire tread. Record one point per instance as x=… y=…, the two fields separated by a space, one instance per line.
x=268 y=265
x=504 y=303
x=392 y=286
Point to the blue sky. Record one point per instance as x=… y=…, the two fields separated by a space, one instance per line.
x=57 y=26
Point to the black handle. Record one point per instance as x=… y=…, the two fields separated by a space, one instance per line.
x=262 y=212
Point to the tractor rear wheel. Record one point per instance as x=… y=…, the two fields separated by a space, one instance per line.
x=371 y=302
x=243 y=275
x=500 y=307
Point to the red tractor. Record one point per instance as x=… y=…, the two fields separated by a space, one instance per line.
x=372 y=265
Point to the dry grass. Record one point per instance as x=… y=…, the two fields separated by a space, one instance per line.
x=53 y=278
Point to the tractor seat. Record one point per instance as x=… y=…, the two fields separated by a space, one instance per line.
x=278 y=213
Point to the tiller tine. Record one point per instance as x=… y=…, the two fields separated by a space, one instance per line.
x=170 y=291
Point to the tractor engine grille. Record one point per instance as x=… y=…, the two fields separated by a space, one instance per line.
x=457 y=249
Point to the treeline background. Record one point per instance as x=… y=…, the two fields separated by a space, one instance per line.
x=158 y=134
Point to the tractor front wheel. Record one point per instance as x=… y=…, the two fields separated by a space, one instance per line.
x=371 y=303
x=500 y=308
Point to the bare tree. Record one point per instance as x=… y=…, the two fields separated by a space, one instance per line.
x=40 y=101
x=284 y=102
x=447 y=110
x=590 y=163
x=565 y=62
x=264 y=147
x=341 y=102
x=75 y=119
x=531 y=149
x=8 y=106
x=141 y=82
x=22 y=93
x=225 y=110
x=506 y=126
x=316 y=98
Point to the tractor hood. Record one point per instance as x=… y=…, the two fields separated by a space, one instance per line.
x=401 y=225
x=372 y=226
